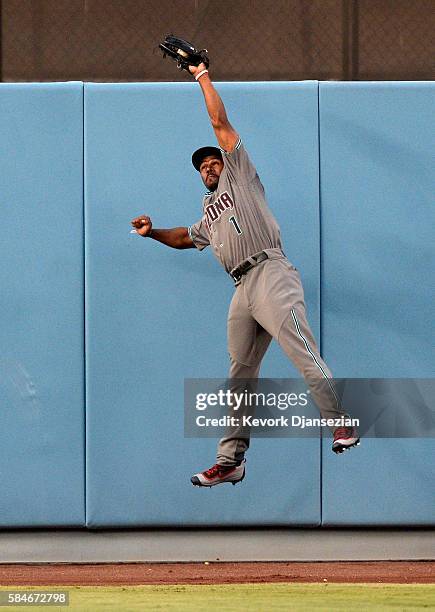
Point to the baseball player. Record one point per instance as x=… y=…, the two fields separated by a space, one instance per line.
x=268 y=301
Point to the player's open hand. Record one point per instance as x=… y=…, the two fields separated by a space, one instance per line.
x=142 y=225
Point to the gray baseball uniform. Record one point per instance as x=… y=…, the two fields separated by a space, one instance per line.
x=269 y=299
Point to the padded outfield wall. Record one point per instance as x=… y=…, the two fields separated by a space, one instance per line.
x=99 y=327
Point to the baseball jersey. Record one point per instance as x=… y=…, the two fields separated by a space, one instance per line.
x=237 y=221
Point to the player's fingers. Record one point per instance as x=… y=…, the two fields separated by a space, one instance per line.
x=139 y=221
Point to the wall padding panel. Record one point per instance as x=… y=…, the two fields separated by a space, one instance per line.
x=378 y=266
x=41 y=304
x=156 y=315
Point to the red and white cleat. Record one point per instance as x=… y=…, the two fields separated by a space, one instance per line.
x=219 y=474
x=344 y=438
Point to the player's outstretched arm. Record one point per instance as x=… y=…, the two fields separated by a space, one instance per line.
x=176 y=237
x=226 y=135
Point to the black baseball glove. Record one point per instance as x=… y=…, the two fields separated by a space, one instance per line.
x=183 y=52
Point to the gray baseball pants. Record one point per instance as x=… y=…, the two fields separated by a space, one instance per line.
x=269 y=303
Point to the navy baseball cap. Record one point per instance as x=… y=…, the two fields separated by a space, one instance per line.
x=199 y=155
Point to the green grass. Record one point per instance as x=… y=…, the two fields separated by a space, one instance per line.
x=244 y=597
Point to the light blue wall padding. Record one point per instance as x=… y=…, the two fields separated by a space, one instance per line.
x=378 y=266
x=156 y=315
x=41 y=305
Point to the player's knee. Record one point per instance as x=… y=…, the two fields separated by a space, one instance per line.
x=241 y=369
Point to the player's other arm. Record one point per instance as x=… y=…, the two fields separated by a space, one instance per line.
x=176 y=237
x=226 y=135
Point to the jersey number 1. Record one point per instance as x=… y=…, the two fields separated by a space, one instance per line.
x=233 y=220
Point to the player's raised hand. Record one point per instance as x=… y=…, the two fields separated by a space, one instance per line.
x=142 y=225
x=197 y=69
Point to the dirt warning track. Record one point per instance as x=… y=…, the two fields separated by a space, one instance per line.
x=216 y=573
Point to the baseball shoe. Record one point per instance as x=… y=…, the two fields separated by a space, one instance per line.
x=219 y=474
x=344 y=438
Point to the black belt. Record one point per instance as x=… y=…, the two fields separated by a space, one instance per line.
x=246 y=265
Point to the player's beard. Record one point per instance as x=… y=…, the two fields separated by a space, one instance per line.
x=212 y=186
